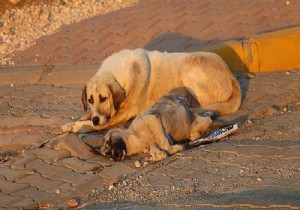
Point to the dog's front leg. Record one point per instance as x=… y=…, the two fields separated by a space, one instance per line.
x=79 y=127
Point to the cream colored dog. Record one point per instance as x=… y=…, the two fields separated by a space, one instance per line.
x=129 y=81
x=166 y=122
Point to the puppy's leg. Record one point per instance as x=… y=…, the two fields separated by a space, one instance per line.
x=199 y=126
x=157 y=154
x=162 y=138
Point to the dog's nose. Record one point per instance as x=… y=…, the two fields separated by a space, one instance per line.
x=95 y=120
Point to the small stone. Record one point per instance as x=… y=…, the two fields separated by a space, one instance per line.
x=259 y=179
x=191 y=190
x=58 y=192
x=114 y=181
x=249 y=122
x=271 y=112
x=146 y=163
x=287 y=2
x=137 y=164
x=45 y=116
x=73 y=203
x=110 y=187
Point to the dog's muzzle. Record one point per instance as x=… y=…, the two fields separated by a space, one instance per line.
x=95 y=120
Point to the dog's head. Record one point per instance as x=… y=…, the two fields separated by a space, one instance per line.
x=103 y=97
x=114 y=145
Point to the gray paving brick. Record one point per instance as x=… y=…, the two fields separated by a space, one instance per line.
x=77 y=165
x=49 y=155
x=13 y=174
x=20 y=163
x=9 y=187
x=40 y=182
x=75 y=146
x=6 y=199
x=37 y=195
x=25 y=203
x=104 y=161
x=58 y=172
x=116 y=171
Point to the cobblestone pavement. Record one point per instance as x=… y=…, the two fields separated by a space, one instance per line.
x=161 y=25
x=42 y=168
x=57 y=170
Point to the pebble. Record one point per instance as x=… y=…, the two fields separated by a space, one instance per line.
x=73 y=203
x=137 y=164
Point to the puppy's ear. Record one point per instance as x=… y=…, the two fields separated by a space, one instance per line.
x=118 y=94
x=84 y=98
x=118 y=149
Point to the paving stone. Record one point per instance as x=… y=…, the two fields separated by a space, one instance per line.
x=95 y=139
x=57 y=172
x=62 y=189
x=40 y=182
x=76 y=146
x=77 y=165
x=13 y=174
x=20 y=163
x=10 y=187
x=25 y=203
x=6 y=199
x=96 y=183
x=116 y=171
x=37 y=195
x=104 y=161
x=49 y=155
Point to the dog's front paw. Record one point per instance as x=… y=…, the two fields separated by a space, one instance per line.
x=67 y=128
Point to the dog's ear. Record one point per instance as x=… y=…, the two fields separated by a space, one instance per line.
x=84 y=98
x=118 y=94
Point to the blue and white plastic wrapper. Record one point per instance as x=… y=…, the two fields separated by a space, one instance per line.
x=218 y=134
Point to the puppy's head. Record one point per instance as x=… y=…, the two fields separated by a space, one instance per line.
x=103 y=97
x=114 y=145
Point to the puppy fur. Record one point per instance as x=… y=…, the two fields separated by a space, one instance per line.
x=166 y=122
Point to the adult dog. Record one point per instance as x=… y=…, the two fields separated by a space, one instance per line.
x=129 y=81
x=166 y=122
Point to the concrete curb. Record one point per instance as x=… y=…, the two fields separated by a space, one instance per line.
x=267 y=52
x=48 y=75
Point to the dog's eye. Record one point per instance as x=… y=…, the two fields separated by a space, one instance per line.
x=102 y=99
x=91 y=100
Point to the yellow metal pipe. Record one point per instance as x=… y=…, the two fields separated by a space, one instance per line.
x=273 y=51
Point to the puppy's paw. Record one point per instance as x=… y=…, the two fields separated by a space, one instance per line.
x=157 y=154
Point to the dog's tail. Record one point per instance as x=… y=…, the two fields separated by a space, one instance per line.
x=229 y=106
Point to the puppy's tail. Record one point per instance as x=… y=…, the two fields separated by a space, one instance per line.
x=229 y=106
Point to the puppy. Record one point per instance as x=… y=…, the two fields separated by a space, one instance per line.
x=129 y=81
x=166 y=122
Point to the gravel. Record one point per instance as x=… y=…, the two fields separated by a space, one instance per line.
x=21 y=26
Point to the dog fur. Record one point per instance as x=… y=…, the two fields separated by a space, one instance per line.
x=129 y=81
x=166 y=122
